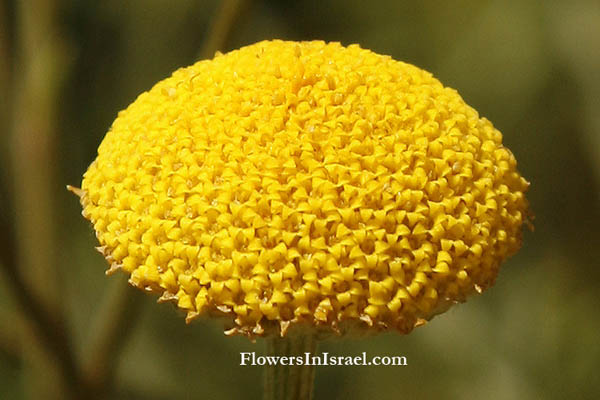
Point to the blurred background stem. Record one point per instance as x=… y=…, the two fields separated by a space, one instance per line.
x=40 y=65
x=40 y=69
x=5 y=68
x=10 y=334
x=221 y=26
x=109 y=332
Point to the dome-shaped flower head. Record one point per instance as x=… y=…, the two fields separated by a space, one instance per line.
x=309 y=184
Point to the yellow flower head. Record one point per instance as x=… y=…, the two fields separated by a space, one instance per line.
x=305 y=183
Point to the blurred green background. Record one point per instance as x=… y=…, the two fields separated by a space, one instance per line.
x=67 y=67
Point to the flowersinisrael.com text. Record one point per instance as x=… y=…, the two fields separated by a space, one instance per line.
x=250 y=358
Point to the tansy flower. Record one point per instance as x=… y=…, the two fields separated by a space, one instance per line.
x=305 y=183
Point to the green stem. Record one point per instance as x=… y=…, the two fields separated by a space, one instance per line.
x=113 y=325
x=290 y=382
x=222 y=24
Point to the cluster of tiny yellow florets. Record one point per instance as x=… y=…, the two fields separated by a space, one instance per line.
x=305 y=183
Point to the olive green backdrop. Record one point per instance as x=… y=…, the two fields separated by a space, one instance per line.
x=67 y=67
